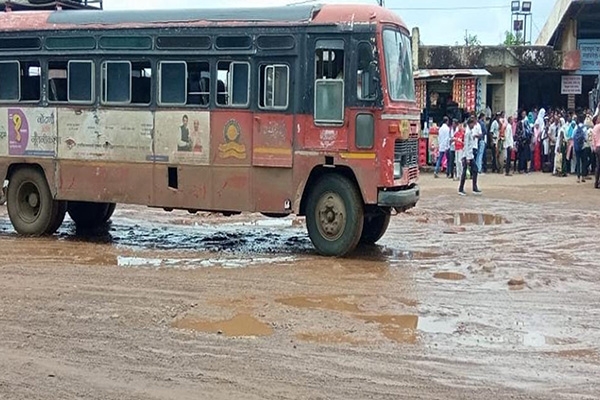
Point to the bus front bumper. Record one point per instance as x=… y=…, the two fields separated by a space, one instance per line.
x=400 y=199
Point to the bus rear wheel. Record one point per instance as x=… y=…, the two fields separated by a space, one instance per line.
x=31 y=208
x=87 y=215
x=375 y=225
x=334 y=215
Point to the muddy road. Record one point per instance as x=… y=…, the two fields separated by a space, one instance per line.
x=465 y=298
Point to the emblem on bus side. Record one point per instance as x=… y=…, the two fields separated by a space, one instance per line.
x=233 y=146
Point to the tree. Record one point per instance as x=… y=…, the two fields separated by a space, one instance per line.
x=471 y=40
x=512 y=39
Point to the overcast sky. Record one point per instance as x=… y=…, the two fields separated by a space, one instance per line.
x=440 y=21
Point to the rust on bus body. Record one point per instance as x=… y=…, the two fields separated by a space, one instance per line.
x=323 y=15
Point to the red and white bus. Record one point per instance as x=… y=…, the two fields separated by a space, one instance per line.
x=306 y=110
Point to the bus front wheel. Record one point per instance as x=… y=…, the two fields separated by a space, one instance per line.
x=375 y=224
x=88 y=215
x=334 y=215
x=31 y=208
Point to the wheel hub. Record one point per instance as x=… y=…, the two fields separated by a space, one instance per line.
x=33 y=200
x=332 y=216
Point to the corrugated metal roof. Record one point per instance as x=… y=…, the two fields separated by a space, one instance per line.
x=439 y=73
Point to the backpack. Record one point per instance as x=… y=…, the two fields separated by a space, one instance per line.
x=579 y=138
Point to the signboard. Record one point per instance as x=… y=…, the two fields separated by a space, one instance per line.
x=571 y=101
x=182 y=137
x=590 y=56
x=109 y=135
x=28 y=131
x=570 y=84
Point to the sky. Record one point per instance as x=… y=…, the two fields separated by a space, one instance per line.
x=439 y=21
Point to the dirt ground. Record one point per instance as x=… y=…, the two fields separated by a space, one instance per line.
x=465 y=298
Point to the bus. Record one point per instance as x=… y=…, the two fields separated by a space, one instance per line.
x=305 y=110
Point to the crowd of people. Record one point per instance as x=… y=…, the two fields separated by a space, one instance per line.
x=558 y=142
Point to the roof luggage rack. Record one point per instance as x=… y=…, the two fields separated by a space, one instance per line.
x=29 y=5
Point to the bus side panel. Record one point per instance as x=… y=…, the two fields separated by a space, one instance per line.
x=105 y=155
x=273 y=189
x=231 y=157
x=114 y=182
x=182 y=175
x=28 y=136
x=183 y=186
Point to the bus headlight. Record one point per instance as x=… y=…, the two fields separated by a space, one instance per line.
x=397 y=170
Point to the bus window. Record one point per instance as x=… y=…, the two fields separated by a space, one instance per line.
x=80 y=82
x=233 y=83
x=274 y=83
x=172 y=82
x=141 y=82
x=198 y=83
x=329 y=82
x=116 y=82
x=57 y=81
x=9 y=81
x=365 y=88
x=124 y=82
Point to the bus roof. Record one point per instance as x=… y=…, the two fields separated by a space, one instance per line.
x=334 y=14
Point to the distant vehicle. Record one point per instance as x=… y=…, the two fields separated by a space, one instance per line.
x=292 y=110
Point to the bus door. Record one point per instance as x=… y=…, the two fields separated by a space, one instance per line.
x=272 y=139
x=328 y=131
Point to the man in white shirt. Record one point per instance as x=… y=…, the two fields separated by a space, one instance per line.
x=509 y=143
x=468 y=157
x=444 y=145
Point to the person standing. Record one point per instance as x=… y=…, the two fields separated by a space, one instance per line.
x=596 y=147
x=468 y=158
x=443 y=145
x=508 y=145
x=452 y=150
x=493 y=136
x=524 y=144
x=579 y=137
x=481 y=134
x=459 y=146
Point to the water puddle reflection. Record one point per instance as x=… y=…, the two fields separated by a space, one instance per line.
x=239 y=326
x=480 y=219
x=449 y=276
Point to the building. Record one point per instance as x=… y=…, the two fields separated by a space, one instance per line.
x=501 y=77
x=573 y=30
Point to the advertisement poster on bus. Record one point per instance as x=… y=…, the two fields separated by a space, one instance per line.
x=182 y=137
x=111 y=135
x=28 y=132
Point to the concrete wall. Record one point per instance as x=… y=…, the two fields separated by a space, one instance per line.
x=486 y=57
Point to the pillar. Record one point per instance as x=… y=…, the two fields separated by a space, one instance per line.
x=511 y=91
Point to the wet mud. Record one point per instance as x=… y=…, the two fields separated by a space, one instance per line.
x=463 y=298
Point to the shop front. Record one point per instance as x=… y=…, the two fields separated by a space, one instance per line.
x=455 y=93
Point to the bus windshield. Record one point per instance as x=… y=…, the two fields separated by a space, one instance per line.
x=398 y=65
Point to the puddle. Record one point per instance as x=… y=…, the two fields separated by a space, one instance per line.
x=240 y=325
x=449 y=276
x=322 y=302
x=460 y=219
x=190 y=263
x=329 y=338
x=405 y=328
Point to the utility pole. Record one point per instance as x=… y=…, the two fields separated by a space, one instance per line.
x=381 y=3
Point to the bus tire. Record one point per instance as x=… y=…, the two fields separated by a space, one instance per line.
x=334 y=215
x=31 y=208
x=375 y=225
x=58 y=217
x=109 y=212
x=87 y=215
